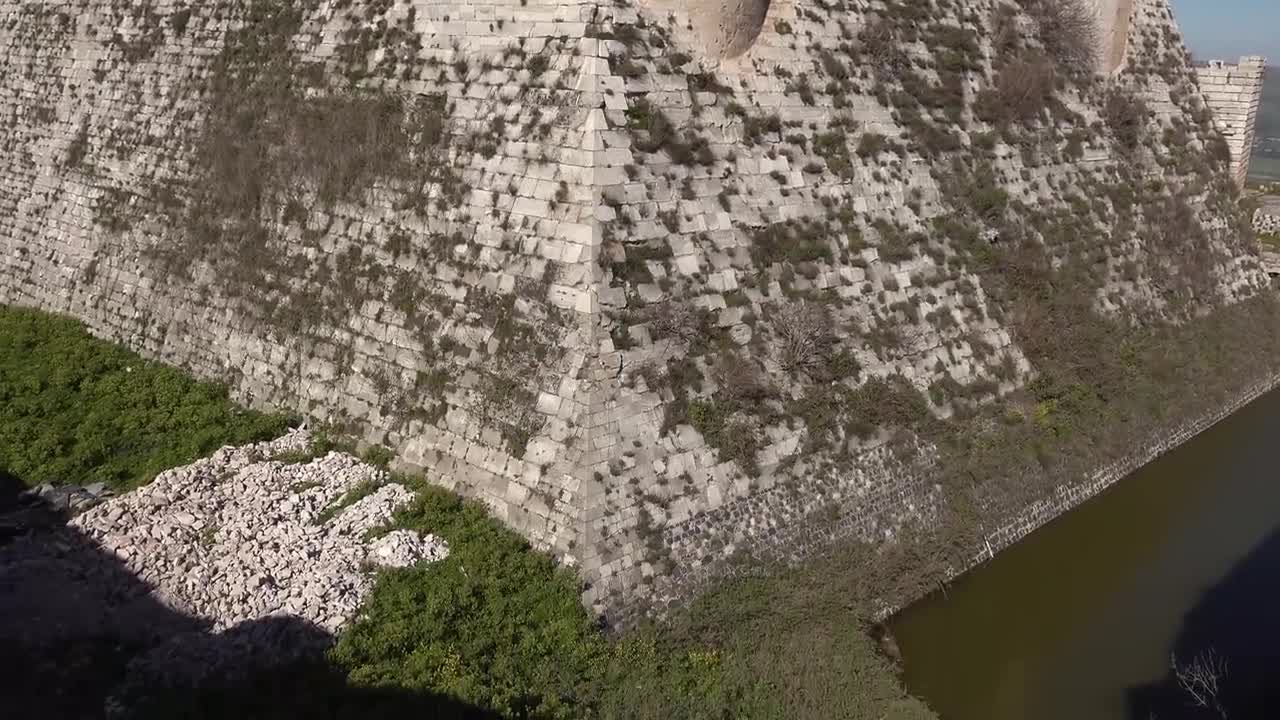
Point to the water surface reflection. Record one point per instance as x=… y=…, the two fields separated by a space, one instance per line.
x=1079 y=620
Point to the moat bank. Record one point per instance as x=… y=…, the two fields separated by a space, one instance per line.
x=1079 y=619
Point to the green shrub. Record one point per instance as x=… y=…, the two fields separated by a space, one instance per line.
x=736 y=438
x=378 y=456
x=835 y=414
x=789 y=645
x=80 y=410
x=495 y=624
x=793 y=242
x=500 y=627
x=349 y=498
x=871 y=144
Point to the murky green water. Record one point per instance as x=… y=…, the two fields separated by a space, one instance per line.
x=1078 y=621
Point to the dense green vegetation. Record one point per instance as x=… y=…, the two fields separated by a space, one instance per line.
x=495 y=630
x=80 y=410
x=501 y=628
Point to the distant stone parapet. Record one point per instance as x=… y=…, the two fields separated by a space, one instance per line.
x=1234 y=93
x=558 y=255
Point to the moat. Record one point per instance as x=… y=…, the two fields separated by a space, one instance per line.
x=1079 y=621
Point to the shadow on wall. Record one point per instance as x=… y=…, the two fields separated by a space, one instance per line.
x=83 y=638
x=728 y=28
x=1237 y=623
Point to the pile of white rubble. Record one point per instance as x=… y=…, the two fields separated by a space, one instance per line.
x=238 y=536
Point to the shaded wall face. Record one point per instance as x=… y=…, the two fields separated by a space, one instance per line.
x=722 y=29
x=497 y=242
x=1113 y=31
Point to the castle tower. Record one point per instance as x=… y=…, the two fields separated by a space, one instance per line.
x=1234 y=93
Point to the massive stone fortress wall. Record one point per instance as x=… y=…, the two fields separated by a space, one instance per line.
x=1234 y=92
x=574 y=259
x=138 y=189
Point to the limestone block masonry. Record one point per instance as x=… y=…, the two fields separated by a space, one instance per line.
x=635 y=276
x=1234 y=93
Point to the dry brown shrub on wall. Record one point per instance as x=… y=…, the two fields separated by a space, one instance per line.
x=740 y=381
x=882 y=50
x=677 y=320
x=1024 y=88
x=1006 y=32
x=1218 y=151
x=1069 y=32
x=1127 y=117
x=804 y=335
x=341 y=144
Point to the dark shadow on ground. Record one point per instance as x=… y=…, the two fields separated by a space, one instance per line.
x=1239 y=620
x=82 y=637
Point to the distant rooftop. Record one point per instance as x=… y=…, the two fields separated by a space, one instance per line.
x=1245 y=60
x=1269 y=204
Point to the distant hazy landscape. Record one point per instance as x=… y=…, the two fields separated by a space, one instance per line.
x=1265 y=165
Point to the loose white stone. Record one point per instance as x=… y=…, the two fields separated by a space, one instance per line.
x=250 y=529
x=402 y=548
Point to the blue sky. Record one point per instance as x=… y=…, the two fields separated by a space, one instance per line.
x=1227 y=29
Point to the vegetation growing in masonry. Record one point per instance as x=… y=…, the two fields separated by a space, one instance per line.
x=293 y=156
x=279 y=154
x=949 y=206
x=496 y=627
x=949 y=260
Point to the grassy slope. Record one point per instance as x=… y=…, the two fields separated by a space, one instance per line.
x=80 y=410
x=495 y=630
